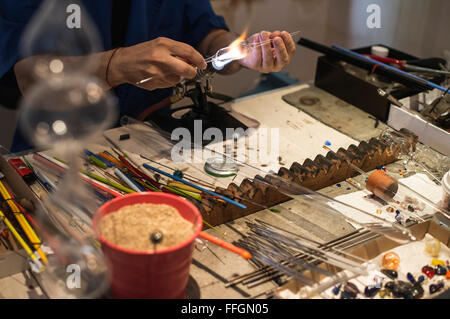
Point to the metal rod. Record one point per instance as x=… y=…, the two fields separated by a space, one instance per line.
x=338 y=242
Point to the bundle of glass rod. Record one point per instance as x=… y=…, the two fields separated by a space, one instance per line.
x=75 y=219
x=300 y=258
x=304 y=197
x=69 y=246
x=265 y=273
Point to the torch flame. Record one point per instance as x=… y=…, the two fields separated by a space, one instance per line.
x=240 y=39
x=238 y=49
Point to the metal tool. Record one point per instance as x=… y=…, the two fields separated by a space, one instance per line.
x=403 y=65
x=156 y=238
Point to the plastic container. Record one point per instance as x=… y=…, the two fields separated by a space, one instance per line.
x=446 y=191
x=146 y=274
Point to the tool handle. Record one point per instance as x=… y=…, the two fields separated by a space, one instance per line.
x=219 y=242
x=396 y=71
x=386 y=60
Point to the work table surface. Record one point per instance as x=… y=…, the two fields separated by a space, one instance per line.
x=302 y=137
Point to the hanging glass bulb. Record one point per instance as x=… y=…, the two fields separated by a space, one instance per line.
x=77 y=268
x=58 y=34
x=66 y=113
x=62 y=111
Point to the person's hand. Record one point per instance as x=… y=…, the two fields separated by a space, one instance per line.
x=273 y=55
x=163 y=60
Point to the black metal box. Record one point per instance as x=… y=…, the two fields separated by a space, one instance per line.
x=332 y=76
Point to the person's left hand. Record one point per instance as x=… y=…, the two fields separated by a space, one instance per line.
x=271 y=56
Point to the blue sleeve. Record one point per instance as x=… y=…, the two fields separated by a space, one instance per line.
x=14 y=16
x=201 y=20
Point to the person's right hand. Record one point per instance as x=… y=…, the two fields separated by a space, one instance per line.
x=163 y=60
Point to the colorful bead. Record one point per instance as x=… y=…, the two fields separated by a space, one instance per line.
x=379 y=211
x=410 y=278
x=440 y=271
x=436 y=262
x=348 y=295
x=371 y=291
x=383 y=293
x=435 y=288
x=390 y=261
x=416 y=292
x=392 y=274
x=401 y=288
x=428 y=271
x=351 y=287
x=178 y=173
x=447 y=275
x=337 y=289
x=350 y=291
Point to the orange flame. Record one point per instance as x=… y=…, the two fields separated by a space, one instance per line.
x=236 y=50
x=241 y=38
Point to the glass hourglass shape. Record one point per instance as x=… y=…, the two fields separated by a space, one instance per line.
x=60 y=39
x=65 y=114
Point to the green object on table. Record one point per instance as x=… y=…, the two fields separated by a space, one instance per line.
x=97 y=162
x=60 y=160
x=184 y=193
x=146 y=185
x=275 y=210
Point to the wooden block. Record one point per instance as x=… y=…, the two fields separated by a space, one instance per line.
x=296 y=168
x=350 y=172
x=371 y=161
x=312 y=174
x=330 y=167
x=287 y=174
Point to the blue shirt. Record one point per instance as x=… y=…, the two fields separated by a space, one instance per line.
x=187 y=21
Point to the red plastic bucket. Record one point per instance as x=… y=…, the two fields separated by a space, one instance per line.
x=142 y=274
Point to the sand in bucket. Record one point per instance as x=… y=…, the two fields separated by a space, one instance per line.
x=140 y=266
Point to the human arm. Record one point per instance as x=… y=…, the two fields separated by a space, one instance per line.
x=163 y=59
